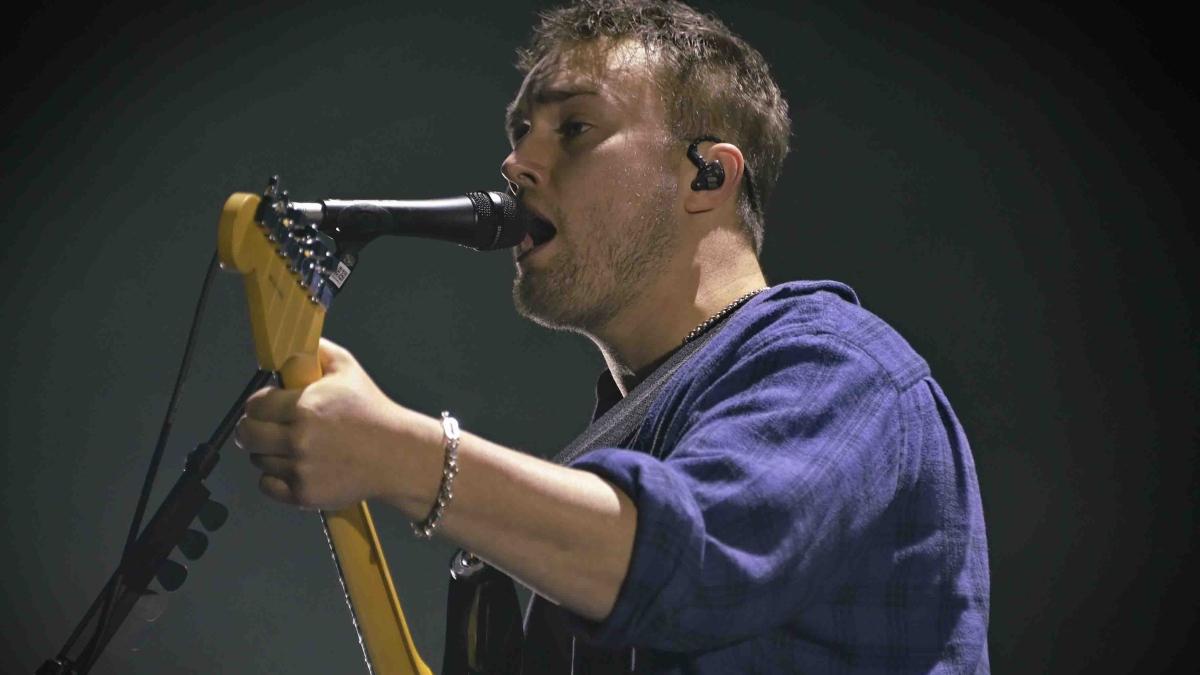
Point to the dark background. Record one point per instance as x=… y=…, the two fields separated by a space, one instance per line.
x=1011 y=190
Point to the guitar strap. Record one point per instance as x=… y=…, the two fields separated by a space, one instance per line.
x=483 y=622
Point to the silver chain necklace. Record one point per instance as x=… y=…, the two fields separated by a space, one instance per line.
x=708 y=323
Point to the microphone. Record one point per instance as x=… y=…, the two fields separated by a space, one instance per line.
x=483 y=221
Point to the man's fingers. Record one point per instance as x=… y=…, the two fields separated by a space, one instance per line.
x=274 y=465
x=264 y=438
x=271 y=404
x=276 y=488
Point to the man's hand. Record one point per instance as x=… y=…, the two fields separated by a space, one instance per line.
x=340 y=440
x=328 y=445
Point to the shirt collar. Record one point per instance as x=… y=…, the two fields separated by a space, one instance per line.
x=607 y=392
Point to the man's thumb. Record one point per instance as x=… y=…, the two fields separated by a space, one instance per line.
x=333 y=356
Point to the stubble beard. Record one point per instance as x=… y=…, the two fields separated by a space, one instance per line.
x=591 y=279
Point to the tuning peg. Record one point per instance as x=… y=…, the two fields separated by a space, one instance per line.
x=213 y=515
x=194 y=544
x=171 y=574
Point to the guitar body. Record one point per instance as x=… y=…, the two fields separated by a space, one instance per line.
x=286 y=277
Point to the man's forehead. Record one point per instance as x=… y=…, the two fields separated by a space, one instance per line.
x=610 y=71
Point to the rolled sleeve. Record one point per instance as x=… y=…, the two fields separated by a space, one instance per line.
x=668 y=524
x=778 y=467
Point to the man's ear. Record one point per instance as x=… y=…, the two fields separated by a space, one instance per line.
x=733 y=165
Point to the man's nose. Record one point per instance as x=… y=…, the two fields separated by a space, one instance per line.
x=522 y=171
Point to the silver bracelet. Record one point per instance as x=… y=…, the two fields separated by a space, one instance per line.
x=450 y=436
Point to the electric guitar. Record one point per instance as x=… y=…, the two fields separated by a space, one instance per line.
x=291 y=276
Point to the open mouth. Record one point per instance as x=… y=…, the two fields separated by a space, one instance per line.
x=538 y=231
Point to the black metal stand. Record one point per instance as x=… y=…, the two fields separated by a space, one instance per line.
x=149 y=553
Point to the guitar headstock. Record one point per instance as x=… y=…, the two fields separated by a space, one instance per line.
x=291 y=274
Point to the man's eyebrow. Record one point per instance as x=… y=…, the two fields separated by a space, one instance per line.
x=558 y=95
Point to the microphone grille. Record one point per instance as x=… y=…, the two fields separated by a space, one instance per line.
x=483 y=205
x=510 y=207
x=500 y=215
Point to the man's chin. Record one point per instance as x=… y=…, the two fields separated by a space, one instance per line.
x=545 y=303
x=531 y=300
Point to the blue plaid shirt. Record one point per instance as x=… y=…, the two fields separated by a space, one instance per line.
x=807 y=502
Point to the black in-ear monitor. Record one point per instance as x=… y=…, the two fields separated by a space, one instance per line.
x=711 y=174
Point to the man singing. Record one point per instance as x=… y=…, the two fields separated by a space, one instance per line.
x=796 y=493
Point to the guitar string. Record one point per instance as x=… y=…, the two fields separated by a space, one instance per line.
x=341 y=574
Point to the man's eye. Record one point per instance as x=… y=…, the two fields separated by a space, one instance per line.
x=519 y=130
x=573 y=128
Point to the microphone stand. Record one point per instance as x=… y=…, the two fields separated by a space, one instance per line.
x=149 y=553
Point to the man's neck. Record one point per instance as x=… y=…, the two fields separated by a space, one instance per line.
x=656 y=323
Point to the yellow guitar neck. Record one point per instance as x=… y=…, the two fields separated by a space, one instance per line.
x=362 y=568
x=387 y=643
x=280 y=266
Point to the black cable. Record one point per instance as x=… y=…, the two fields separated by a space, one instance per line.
x=86 y=657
